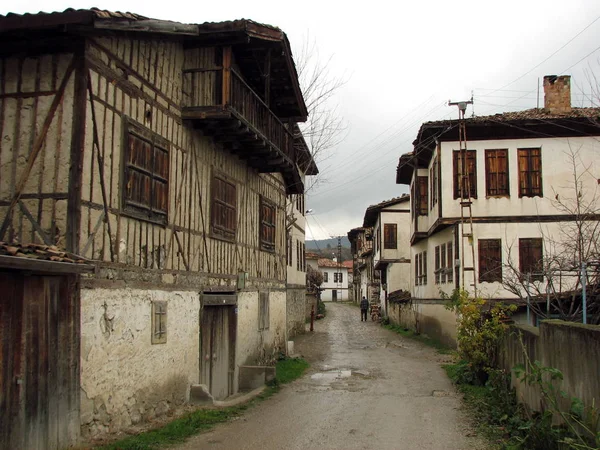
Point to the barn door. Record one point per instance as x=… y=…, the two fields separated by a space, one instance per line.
x=39 y=357
x=215 y=350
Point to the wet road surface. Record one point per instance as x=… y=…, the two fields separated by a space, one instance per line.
x=367 y=388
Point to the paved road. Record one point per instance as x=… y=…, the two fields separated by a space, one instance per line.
x=367 y=388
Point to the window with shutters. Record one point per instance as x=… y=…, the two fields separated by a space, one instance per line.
x=298 y=253
x=422 y=196
x=530 y=172
x=303 y=257
x=443 y=263
x=417 y=269
x=433 y=179
x=437 y=264
x=490 y=260
x=267 y=226
x=450 y=263
x=159 y=322
x=390 y=235
x=263 y=311
x=421 y=268
x=460 y=170
x=224 y=208
x=531 y=256
x=496 y=173
x=290 y=251
x=145 y=174
x=424 y=273
x=325 y=277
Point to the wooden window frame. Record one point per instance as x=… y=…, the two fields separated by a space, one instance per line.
x=529 y=177
x=325 y=277
x=433 y=183
x=443 y=263
x=268 y=227
x=494 y=185
x=155 y=208
x=422 y=198
x=450 y=260
x=490 y=266
x=471 y=157
x=159 y=322
x=438 y=267
x=264 y=319
x=390 y=236
x=424 y=274
x=531 y=245
x=417 y=269
x=219 y=230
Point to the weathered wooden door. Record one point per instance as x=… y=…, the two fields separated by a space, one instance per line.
x=334 y=295
x=39 y=362
x=215 y=350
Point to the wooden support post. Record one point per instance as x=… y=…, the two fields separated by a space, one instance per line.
x=227 y=61
x=267 y=75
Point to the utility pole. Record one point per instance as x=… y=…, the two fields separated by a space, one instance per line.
x=340 y=281
x=464 y=186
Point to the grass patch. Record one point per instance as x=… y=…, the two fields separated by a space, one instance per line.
x=201 y=420
x=290 y=368
x=441 y=348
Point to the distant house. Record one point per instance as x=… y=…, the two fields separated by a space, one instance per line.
x=335 y=280
x=168 y=156
x=390 y=222
x=364 y=282
x=508 y=183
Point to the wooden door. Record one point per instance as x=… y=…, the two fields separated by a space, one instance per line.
x=215 y=351
x=334 y=295
x=39 y=361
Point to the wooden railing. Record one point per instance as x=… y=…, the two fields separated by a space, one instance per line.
x=227 y=88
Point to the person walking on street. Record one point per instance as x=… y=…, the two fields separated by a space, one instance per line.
x=364 y=307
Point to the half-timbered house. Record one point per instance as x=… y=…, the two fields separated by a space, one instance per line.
x=492 y=210
x=164 y=153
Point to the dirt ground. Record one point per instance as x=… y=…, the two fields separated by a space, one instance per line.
x=367 y=388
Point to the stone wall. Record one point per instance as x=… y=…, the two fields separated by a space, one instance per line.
x=572 y=348
x=125 y=379
x=311 y=301
x=296 y=309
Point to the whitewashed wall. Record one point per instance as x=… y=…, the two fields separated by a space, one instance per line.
x=125 y=379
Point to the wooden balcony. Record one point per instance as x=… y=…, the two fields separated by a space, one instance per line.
x=222 y=105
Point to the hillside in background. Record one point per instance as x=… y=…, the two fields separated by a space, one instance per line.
x=326 y=243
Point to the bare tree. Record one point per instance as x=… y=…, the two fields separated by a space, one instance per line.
x=570 y=255
x=325 y=127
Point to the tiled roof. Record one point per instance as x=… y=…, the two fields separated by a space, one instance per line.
x=325 y=262
x=100 y=13
x=348 y=264
x=373 y=210
x=311 y=255
x=39 y=251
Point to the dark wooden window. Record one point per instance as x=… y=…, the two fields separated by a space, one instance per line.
x=417 y=269
x=413 y=199
x=496 y=173
x=338 y=277
x=390 y=235
x=298 y=254
x=263 y=311
x=303 y=257
x=460 y=188
x=443 y=263
x=422 y=198
x=424 y=274
x=290 y=252
x=433 y=179
x=146 y=174
x=159 y=322
x=490 y=260
x=437 y=264
x=530 y=172
x=531 y=256
x=450 y=263
x=224 y=208
x=267 y=226
x=325 y=277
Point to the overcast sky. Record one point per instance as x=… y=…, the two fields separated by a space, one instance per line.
x=402 y=61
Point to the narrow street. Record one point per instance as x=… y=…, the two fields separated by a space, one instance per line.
x=367 y=388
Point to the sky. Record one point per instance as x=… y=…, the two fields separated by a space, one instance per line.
x=400 y=63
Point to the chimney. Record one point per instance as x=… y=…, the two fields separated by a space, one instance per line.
x=557 y=93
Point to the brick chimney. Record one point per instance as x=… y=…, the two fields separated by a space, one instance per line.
x=557 y=93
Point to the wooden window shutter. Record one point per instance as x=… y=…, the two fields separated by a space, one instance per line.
x=224 y=208
x=437 y=264
x=490 y=260
x=443 y=263
x=531 y=255
x=422 y=196
x=416 y=263
x=530 y=172
x=424 y=267
x=496 y=173
x=390 y=239
x=458 y=170
x=450 y=263
x=267 y=226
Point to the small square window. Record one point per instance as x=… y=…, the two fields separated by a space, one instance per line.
x=159 y=322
